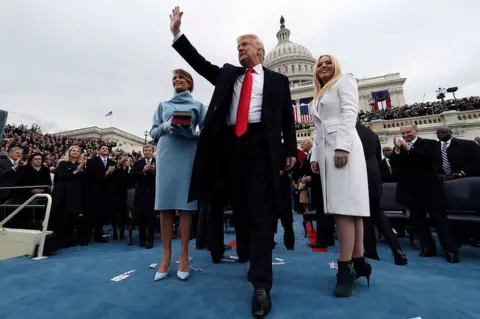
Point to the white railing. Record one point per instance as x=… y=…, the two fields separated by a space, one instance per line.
x=44 y=223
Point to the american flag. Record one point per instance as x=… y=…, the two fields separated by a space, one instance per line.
x=381 y=95
x=305 y=113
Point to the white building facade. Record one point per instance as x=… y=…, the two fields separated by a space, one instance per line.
x=297 y=63
x=125 y=141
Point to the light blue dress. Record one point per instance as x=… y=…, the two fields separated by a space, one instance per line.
x=175 y=153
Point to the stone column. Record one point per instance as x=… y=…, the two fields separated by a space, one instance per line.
x=297 y=108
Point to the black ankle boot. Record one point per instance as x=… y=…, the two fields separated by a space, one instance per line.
x=362 y=268
x=345 y=279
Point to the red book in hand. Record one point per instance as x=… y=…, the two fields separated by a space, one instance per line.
x=182 y=118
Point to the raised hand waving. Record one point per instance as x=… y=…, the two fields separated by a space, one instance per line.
x=175 y=20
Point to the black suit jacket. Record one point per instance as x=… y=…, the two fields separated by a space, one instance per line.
x=418 y=181
x=98 y=187
x=463 y=156
x=8 y=177
x=29 y=176
x=144 y=199
x=373 y=156
x=387 y=176
x=277 y=116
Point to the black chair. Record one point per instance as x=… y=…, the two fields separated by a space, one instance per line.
x=463 y=207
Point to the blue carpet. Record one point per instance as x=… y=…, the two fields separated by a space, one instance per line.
x=76 y=283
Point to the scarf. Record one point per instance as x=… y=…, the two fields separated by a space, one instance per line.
x=183 y=97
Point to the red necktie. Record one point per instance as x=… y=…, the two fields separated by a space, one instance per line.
x=244 y=104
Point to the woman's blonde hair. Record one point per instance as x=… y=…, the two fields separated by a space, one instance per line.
x=120 y=163
x=321 y=89
x=67 y=157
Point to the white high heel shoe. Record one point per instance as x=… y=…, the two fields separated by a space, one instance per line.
x=182 y=275
x=161 y=275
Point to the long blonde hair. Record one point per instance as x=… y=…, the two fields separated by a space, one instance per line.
x=337 y=74
x=67 y=158
x=121 y=163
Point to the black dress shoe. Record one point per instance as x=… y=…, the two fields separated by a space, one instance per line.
x=149 y=245
x=261 y=303
x=452 y=258
x=141 y=243
x=400 y=257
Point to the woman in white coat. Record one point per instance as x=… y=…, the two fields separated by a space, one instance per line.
x=338 y=157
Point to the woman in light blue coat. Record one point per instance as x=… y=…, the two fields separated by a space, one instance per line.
x=176 y=146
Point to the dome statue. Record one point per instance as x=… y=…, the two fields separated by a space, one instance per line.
x=289 y=58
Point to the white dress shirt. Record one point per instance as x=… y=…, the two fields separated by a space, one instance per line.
x=447 y=143
x=13 y=162
x=256 y=100
x=387 y=160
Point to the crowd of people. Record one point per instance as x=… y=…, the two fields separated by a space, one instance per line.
x=421 y=109
x=52 y=147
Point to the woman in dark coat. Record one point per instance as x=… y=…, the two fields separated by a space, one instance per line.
x=67 y=199
x=122 y=181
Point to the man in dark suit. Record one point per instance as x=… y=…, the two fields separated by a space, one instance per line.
x=373 y=156
x=388 y=173
x=99 y=191
x=249 y=114
x=8 y=171
x=420 y=189
x=143 y=172
x=456 y=157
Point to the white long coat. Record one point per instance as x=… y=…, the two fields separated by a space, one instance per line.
x=345 y=190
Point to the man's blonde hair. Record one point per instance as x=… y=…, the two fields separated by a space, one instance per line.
x=256 y=41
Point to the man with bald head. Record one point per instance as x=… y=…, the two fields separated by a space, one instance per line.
x=240 y=155
x=420 y=189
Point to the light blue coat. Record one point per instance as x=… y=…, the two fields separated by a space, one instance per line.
x=175 y=152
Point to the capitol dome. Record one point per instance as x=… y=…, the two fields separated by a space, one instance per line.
x=291 y=59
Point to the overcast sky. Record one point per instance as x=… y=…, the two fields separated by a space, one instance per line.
x=64 y=64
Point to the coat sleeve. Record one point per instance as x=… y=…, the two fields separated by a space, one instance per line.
x=378 y=150
x=203 y=67
x=158 y=126
x=201 y=120
x=348 y=92
x=288 y=129
x=314 y=157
